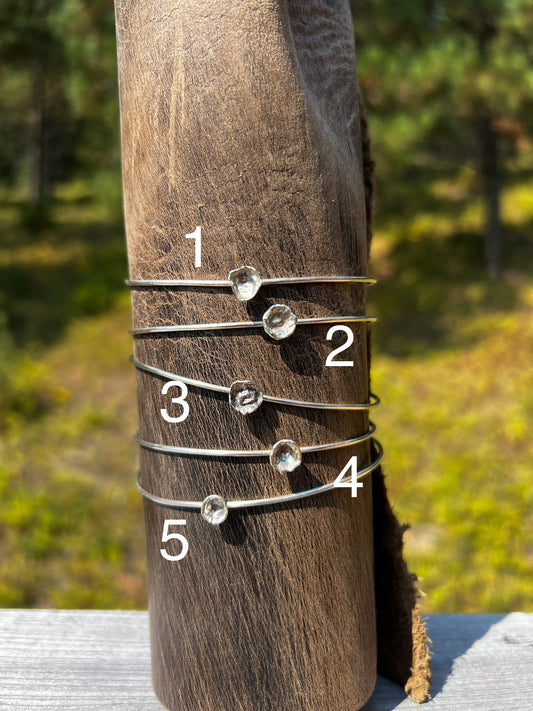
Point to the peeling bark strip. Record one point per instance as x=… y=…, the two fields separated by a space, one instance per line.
x=242 y=118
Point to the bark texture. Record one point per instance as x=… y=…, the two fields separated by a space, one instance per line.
x=244 y=119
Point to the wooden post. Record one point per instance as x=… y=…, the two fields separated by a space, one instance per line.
x=242 y=119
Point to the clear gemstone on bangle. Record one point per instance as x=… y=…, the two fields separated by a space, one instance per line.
x=245 y=282
x=279 y=321
x=214 y=509
x=245 y=397
x=285 y=456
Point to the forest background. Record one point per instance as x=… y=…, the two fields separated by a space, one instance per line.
x=449 y=92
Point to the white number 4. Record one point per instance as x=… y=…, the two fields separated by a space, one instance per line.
x=351 y=481
x=168 y=536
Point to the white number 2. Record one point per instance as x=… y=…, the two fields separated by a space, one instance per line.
x=176 y=400
x=349 y=341
x=352 y=482
x=168 y=536
x=197 y=237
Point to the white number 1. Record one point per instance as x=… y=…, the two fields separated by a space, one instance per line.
x=197 y=237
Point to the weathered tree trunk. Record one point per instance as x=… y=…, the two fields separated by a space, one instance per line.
x=242 y=118
x=489 y=163
x=491 y=180
x=37 y=159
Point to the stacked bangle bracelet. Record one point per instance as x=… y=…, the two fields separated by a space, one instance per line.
x=246 y=281
x=285 y=455
x=215 y=508
x=245 y=397
x=279 y=322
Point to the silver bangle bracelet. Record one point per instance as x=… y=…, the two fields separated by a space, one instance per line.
x=245 y=397
x=246 y=281
x=285 y=455
x=279 y=322
x=214 y=508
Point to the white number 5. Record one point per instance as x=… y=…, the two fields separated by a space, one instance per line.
x=168 y=536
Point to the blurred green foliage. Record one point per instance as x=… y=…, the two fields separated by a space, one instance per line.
x=447 y=82
x=452 y=362
x=452 y=351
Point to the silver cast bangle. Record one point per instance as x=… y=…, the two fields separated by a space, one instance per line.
x=285 y=455
x=245 y=397
x=279 y=322
x=246 y=281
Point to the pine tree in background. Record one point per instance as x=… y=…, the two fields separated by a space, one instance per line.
x=59 y=96
x=32 y=64
x=448 y=81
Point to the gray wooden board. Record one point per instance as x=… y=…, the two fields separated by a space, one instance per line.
x=479 y=662
x=58 y=660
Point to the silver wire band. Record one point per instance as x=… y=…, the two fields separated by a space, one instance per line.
x=374 y=399
x=249 y=503
x=247 y=324
x=171 y=449
x=264 y=282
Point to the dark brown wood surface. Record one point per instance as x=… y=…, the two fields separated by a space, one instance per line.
x=242 y=118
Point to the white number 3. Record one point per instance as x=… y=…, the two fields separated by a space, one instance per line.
x=176 y=400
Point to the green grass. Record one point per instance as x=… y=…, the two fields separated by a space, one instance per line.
x=456 y=430
x=70 y=520
x=452 y=364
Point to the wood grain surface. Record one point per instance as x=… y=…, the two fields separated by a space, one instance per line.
x=243 y=118
x=93 y=660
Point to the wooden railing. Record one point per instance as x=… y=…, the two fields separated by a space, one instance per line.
x=56 y=660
